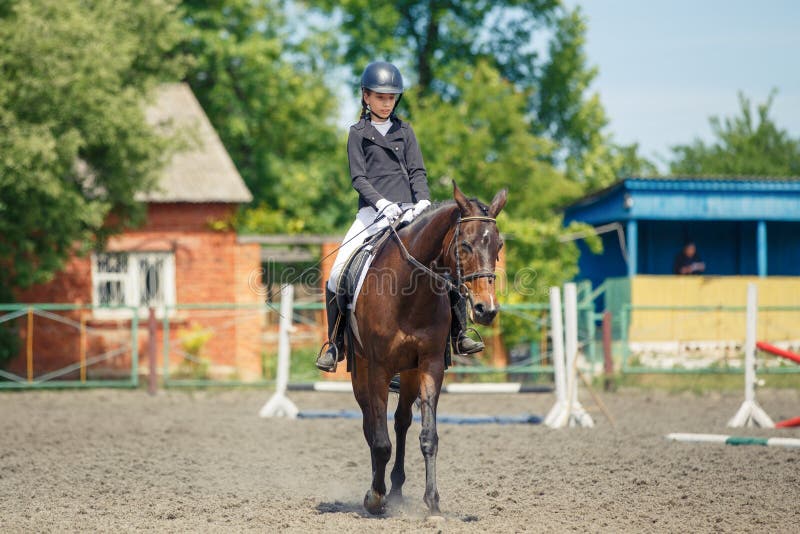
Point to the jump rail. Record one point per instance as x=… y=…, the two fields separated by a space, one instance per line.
x=735 y=440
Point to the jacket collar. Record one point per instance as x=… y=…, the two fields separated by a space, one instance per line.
x=371 y=133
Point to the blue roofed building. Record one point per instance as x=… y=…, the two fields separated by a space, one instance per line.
x=745 y=230
x=740 y=226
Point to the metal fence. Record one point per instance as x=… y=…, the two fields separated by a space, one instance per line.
x=64 y=345
x=68 y=346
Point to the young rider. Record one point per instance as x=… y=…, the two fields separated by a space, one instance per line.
x=387 y=171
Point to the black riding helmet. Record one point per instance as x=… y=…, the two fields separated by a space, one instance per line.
x=382 y=77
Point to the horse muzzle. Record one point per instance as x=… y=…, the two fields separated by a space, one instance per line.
x=483 y=314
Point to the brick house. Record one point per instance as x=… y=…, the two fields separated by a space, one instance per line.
x=186 y=255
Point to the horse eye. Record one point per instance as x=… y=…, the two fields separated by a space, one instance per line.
x=466 y=246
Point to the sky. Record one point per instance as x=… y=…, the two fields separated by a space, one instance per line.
x=665 y=66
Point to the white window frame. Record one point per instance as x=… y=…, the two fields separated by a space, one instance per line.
x=132 y=283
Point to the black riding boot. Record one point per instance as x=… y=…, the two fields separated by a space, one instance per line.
x=458 y=326
x=326 y=361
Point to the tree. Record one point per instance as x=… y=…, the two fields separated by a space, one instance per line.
x=74 y=143
x=481 y=139
x=745 y=145
x=436 y=39
x=265 y=94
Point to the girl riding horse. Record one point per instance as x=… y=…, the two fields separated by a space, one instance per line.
x=388 y=172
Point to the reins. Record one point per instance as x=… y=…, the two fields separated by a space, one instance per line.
x=416 y=263
x=460 y=279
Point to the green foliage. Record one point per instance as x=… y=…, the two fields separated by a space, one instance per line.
x=481 y=139
x=74 y=143
x=745 y=145
x=436 y=41
x=193 y=340
x=302 y=366
x=266 y=98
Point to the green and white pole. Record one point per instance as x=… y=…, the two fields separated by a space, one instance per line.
x=735 y=440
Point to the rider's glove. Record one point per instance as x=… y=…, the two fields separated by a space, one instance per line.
x=420 y=206
x=408 y=215
x=390 y=210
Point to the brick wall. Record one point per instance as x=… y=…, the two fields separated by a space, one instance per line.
x=210 y=267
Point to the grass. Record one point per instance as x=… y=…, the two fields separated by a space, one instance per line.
x=302 y=366
x=701 y=383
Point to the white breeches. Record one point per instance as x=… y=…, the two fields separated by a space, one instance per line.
x=359 y=231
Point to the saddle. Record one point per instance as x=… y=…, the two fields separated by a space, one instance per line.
x=349 y=285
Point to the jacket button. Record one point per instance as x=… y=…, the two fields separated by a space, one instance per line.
x=397 y=148
x=373 y=137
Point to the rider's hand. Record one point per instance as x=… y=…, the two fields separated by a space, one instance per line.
x=420 y=206
x=390 y=210
x=408 y=215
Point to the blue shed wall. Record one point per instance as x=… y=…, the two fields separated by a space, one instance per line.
x=726 y=247
x=598 y=267
x=783 y=248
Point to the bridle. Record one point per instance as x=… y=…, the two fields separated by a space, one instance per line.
x=462 y=279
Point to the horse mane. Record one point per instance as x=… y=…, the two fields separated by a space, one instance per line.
x=423 y=218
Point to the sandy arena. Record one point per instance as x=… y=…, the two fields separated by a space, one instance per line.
x=203 y=461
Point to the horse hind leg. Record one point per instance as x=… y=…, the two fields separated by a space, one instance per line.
x=409 y=390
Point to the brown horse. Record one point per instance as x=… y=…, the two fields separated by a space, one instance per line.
x=403 y=321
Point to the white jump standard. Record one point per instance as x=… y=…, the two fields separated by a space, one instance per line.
x=279 y=404
x=567 y=410
x=750 y=413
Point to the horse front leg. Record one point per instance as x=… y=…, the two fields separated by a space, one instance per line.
x=378 y=438
x=430 y=385
x=409 y=390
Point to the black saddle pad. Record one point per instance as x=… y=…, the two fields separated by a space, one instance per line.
x=351 y=272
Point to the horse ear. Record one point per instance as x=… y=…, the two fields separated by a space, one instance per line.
x=461 y=200
x=498 y=202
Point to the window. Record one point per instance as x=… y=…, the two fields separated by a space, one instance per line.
x=141 y=279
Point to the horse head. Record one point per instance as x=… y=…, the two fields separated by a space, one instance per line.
x=474 y=248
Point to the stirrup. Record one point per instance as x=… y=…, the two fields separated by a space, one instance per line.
x=480 y=337
x=324 y=349
x=455 y=343
x=394 y=384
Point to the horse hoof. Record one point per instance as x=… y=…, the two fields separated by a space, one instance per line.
x=374 y=502
x=395 y=497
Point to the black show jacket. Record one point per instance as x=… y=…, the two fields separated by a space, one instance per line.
x=375 y=164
